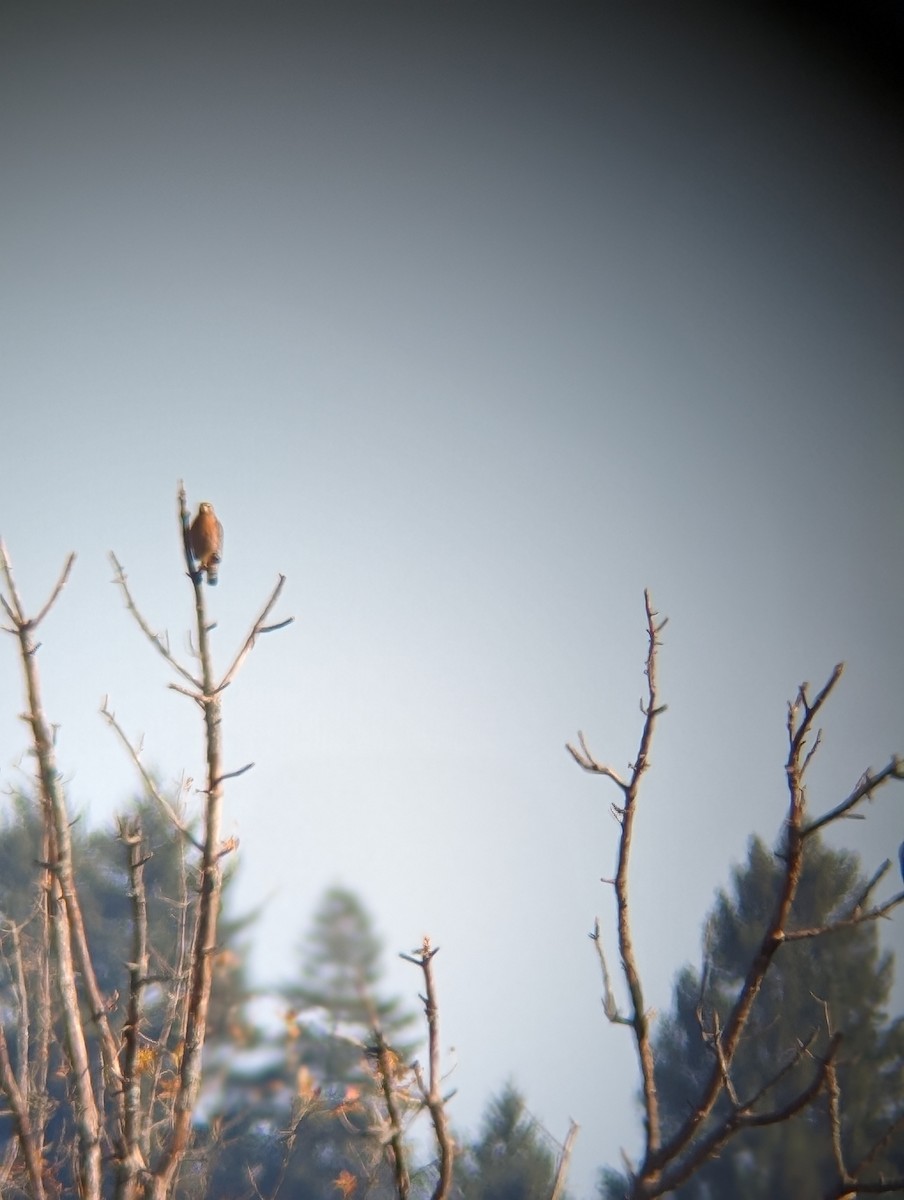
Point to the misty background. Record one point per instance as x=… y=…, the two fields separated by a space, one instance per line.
x=473 y=321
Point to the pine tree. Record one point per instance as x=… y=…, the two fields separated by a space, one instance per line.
x=815 y=986
x=510 y=1159
x=341 y=975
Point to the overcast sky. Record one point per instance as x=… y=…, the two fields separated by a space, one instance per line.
x=473 y=321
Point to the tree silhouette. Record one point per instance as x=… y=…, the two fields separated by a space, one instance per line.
x=815 y=985
x=510 y=1159
x=340 y=988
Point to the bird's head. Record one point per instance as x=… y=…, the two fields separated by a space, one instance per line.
x=205 y=507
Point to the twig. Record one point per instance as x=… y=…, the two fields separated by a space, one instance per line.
x=431 y=1092
x=638 y=1020
x=65 y=912
x=681 y=1169
x=868 y=784
x=610 y=1007
x=110 y=718
x=155 y=639
x=881 y=910
x=558 y=1187
x=257 y=629
x=21 y=1120
x=132 y=1161
x=386 y=1063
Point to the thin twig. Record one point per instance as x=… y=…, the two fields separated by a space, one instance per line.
x=867 y=785
x=158 y=642
x=256 y=630
x=110 y=718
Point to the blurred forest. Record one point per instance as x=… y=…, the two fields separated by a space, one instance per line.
x=292 y=1103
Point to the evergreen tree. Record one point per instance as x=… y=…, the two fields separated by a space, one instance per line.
x=815 y=986
x=510 y=1158
x=310 y=1120
x=341 y=975
x=101 y=870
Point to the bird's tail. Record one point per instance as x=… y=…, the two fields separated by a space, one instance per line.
x=213 y=565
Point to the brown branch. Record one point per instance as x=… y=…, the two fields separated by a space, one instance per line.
x=848 y=1182
x=431 y=1092
x=110 y=718
x=638 y=1019
x=60 y=584
x=610 y=1006
x=386 y=1067
x=257 y=629
x=132 y=1162
x=587 y=762
x=65 y=914
x=880 y=1142
x=868 y=784
x=802 y=713
x=164 y=1174
x=175 y=1009
x=558 y=1186
x=176 y=687
x=677 y=1172
x=876 y=1187
x=154 y=638
x=15 y=611
x=21 y=1121
x=235 y=774
x=801 y=730
x=834 y=1095
x=23 y=1017
x=881 y=910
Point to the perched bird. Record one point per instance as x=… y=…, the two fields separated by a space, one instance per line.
x=206 y=537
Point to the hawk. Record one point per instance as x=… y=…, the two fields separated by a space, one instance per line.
x=206 y=537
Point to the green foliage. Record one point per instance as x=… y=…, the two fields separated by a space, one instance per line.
x=814 y=987
x=309 y=1112
x=341 y=973
x=510 y=1158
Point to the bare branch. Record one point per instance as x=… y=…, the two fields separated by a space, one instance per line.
x=387 y=1063
x=21 y=1120
x=235 y=774
x=148 y=779
x=16 y=612
x=431 y=1092
x=638 y=1021
x=72 y=958
x=680 y=1169
x=868 y=784
x=163 y=1176
x=558 y=1187
x=132 y=1161
x=610 y=1006
x=882 y=910
x=879 y=1144
x=157 y=641
x=257 y=629
x=799 y=728
x=587 y=762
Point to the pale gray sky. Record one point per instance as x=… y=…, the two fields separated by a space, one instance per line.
x=473 y=323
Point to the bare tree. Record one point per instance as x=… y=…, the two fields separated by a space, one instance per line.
x=116 y=1123
x=667 y=1163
